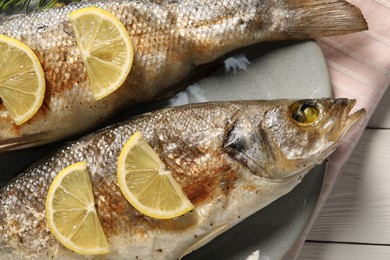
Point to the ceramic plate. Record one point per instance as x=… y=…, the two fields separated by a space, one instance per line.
x=265 y=71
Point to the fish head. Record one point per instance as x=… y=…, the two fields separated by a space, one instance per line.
x=294 y=136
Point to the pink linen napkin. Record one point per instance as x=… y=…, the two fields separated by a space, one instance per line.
x=359 y=68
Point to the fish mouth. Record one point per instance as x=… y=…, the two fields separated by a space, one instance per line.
x=347 y=124
x=352 y=120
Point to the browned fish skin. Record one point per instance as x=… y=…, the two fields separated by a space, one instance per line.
x=170 y=39
x=231 y=159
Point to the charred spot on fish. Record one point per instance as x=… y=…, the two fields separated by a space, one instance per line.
x=111 y=206
x=207 y=188
x=202 y=189
x=41 y=28
x=305 y=112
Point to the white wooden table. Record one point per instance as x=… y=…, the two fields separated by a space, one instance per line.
x=355 y=221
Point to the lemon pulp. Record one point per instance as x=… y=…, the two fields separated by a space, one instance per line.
x=105 y=47
x=70 y=212
x=146 y=184
x=22 y=81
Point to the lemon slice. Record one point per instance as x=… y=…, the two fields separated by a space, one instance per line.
x=71 y=214
x=105 y=47
x=146 y=184
x=22 y=82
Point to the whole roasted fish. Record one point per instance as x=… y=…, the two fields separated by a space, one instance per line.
x=230 y=158
x=170 y=38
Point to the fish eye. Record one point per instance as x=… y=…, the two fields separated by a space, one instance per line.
x=305 y=113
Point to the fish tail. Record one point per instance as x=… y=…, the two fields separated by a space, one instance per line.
x=322 y=18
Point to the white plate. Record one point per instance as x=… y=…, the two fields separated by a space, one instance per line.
x=277 y=70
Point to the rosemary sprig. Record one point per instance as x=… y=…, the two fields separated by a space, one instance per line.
x=30 y=5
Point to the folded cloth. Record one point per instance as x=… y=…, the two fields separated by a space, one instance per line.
x=359 y=68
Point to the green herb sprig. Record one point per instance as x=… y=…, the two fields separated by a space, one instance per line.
x=31 y=5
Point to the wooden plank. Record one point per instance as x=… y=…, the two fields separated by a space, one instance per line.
x=358 y=209
x=331 y=251
x=381 y=116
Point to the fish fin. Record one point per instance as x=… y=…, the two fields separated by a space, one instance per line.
x=204 y=240
x=20 y=143
x=322 y=18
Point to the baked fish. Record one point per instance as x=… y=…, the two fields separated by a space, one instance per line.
x=171 y=39
x=230 y=158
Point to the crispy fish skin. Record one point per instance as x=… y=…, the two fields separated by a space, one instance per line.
x=170 y=39
x=230 y=158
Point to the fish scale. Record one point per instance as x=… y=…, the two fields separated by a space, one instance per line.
x=171 y=40
x=208 y=148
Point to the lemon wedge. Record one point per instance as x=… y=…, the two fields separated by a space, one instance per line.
x=70 y=212
x=105 y=48
x=22 y=81
x=146 y=184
